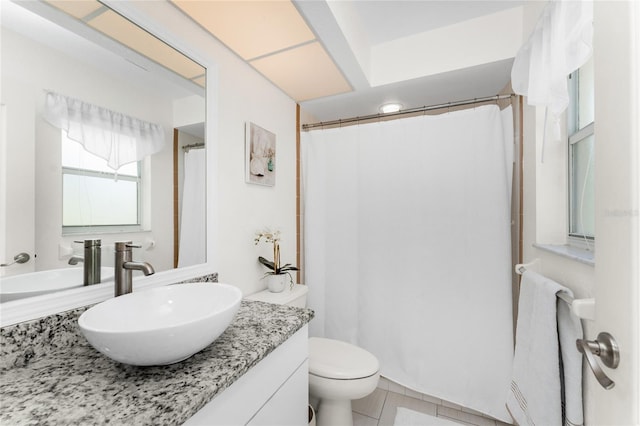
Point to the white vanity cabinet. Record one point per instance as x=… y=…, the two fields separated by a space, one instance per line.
x=273 y=392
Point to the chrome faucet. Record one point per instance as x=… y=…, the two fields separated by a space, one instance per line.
x=124 y=265
x=91 y=261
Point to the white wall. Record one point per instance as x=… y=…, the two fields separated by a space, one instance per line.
x=244 y=208
x=482 y=40
x=240 y=94
x=189 y=110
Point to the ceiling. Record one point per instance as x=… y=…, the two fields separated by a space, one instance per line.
x=77 y=29
x=346 y=58
x=342 y=59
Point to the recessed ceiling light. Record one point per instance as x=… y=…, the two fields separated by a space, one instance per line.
x=390 y=107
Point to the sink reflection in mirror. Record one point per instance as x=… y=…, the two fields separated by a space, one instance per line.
x=36 y=283
x=100 y=58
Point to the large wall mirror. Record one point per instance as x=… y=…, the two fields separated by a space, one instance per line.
x=55 y=192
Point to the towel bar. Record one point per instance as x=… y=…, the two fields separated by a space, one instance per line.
x=522 y=267
x=582 y=308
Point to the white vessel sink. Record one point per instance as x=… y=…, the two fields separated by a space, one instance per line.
x=163 y=325
x=35 y=283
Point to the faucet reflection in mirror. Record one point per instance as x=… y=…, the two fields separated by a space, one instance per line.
x=91 y=261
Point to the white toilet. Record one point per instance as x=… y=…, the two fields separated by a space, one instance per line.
x=338 y=372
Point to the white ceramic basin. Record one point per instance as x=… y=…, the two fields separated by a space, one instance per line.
x=43 y=282
x=163 y=325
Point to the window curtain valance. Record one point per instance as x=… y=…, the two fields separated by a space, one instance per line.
x=116 y=137
x=560 y=44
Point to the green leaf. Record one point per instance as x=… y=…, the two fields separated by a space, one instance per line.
x=281 y=270
x=269 y=264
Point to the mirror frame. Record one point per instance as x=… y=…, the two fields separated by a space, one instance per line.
x=165 y=21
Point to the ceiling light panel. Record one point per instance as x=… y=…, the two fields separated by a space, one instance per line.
x=250 y=28
x=200 y=81
x=129 y=34
x=77 y=9
x=306 y=72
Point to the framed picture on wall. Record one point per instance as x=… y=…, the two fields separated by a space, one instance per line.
x=260 y=155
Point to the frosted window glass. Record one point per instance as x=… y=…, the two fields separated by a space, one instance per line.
x=586 y=103
x=582 y=188
x=93 y=194
x=75 y=156
x=96 y=201
x=581 y=116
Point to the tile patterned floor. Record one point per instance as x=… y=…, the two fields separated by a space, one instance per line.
x=379 y=408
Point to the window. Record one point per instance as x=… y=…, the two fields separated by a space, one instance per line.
x=580 y=128
x=94 y=197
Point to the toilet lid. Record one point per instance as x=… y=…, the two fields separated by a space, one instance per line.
x=334 y=359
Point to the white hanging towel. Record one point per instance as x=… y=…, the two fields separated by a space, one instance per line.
x=547 y=367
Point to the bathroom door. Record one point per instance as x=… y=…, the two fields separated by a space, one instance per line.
x=617 y=156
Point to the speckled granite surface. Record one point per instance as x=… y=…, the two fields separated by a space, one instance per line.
x=50 y=375
x=209 y=278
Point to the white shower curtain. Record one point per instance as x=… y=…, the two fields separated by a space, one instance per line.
x=407 y=249
x=193 y=235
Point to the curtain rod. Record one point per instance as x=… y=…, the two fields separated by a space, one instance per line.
x=307 y=127
x=186 y=148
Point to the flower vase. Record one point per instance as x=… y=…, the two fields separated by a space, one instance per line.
x=276 y=283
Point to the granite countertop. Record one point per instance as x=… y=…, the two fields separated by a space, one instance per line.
x=50 y=374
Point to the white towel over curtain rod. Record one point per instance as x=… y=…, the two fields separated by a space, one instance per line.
x=407 y=230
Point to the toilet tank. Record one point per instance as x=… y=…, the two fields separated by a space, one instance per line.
x=297 y=296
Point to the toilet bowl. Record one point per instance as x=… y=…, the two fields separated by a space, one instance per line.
x=339 y=372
